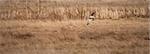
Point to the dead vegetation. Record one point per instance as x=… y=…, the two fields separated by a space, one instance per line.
x=73 y=36
x=58 y=27
x=66 y=13
x=59 y=10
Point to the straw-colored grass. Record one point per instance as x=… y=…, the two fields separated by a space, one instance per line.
x=65 y=10
x=74 y=37
x=58 y=27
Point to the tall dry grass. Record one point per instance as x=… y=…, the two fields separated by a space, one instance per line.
x=64 y=10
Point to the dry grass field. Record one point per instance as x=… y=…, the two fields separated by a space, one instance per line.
x=125 y=36
x=70 y=9
x=59 y=27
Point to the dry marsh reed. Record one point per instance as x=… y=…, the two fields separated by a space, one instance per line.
x=65 y=13
x=65 y=10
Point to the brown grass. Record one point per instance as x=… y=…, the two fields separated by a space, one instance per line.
x=58 y=27
x=74 y=37
x=65 y=10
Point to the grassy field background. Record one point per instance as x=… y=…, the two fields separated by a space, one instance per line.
x=70 y=9
x=126 y=36
x=59 y=27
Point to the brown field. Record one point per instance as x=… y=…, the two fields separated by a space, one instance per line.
x=59 y=27
x=125 y=36
x=70 y=9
